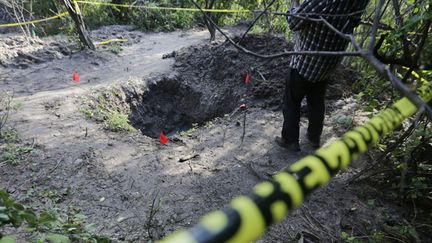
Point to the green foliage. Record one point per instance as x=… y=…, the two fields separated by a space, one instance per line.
x=15 y=154
x=106 y=107
x=190 y=131
x=48 y=226
x=9 y=135
x=5 y=110
x=8 y=239
x=117 y=122
x=14 y=213
x=149 y=19
x=349 y=239
x=371 y=90
x=414 y=17
x=413 y=159
x=346 y=121
x=116 y=49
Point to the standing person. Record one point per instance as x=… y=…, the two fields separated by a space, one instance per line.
x=308 y=75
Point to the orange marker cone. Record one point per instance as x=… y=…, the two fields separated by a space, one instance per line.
x=75 y=77
x=162 y=138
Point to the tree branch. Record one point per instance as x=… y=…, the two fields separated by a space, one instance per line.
x=277 y=55
x=375 y=24
x=256 y=20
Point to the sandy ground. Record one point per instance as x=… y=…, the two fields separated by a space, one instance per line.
x=112 y=178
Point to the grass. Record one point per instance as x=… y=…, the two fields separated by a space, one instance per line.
x=9 y=135
x=114 y=121
x=116 y=49
x=190 y=131
x=15 y=154
x=117 y=122
x=107 y=108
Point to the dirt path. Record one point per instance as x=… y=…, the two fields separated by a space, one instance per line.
x=112 y=178
x=137 y=60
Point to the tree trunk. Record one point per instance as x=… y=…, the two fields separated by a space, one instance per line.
x=210 y=28
x=209 y=5
x=75 y=13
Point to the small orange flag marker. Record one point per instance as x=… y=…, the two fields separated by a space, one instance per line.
x=162 y=138
x=75 y=77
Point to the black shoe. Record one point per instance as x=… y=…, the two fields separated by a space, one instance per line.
x=293 y=146
x=314 y=143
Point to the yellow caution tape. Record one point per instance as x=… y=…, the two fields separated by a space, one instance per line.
x=76 y=7
x=125 y=6
x=34 y=21
x=110 y=41
x=166 y=8
x=416 y=75
x=247 y=217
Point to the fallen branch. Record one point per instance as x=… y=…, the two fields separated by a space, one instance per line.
x=182 y=160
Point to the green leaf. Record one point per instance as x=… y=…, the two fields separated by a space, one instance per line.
x=18 y=206
x=4 y=217
x=80 y=217
x=30 y=217
x=90 y=228
x=55 y=238
x=46 y=219
x=16 y=219
x=8 y=239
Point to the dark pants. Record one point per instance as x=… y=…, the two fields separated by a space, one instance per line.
x=295 y=90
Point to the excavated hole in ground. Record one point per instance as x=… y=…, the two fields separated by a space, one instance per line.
x=208 y=83
x=170 y=105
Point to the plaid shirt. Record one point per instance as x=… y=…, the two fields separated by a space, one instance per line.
x=316 y=36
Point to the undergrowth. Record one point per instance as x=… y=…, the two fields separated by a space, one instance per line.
x=402 y=164
x=45 y=226
x=106 y=107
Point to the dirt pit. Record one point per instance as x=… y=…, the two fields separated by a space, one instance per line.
x=171 y=105
x=208 y=82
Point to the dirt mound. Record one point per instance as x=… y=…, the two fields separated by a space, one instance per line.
x=224 y=63
x=20 y=52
